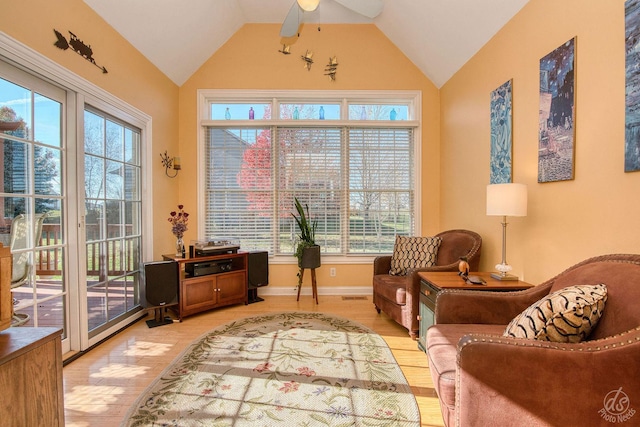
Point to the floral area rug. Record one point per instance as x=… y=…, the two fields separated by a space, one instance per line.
x=283 y=369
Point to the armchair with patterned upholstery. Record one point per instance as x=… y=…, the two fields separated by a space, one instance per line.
x=398 y=295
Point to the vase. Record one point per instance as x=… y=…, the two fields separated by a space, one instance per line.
x=179 y=247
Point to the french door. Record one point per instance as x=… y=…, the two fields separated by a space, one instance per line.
x=34 y=210
x=70 y=208
x=112 y=218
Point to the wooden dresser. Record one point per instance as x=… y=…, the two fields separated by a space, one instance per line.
x=31 y=377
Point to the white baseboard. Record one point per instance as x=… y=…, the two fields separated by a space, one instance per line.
x=306 y=290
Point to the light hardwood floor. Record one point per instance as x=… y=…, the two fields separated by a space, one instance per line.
x=101 y=385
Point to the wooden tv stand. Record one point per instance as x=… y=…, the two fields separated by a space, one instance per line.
x=202 y=293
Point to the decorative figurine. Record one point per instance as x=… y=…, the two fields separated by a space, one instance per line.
x=463 y=267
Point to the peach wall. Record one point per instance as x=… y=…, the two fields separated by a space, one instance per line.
x=131 y=77
x=368 y=61
x=594 y=214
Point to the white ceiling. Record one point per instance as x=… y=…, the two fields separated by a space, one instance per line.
x=178 y=36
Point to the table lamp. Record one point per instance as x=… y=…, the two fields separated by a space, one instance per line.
x=504 y=200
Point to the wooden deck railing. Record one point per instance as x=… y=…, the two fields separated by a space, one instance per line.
x=115 y=261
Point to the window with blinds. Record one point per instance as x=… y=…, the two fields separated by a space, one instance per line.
x=357 y=178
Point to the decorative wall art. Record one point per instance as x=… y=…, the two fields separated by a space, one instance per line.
x=632 y=92
x=332 y=68
x=501 y=134
x=308 y=59
x=78 y=46
x=556 y=131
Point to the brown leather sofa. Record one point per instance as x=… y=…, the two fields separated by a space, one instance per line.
x=485 y=379
x=398 y=296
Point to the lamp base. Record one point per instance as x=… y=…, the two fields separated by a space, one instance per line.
x=504 y=276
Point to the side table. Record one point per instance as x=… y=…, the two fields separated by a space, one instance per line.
x=433 y=282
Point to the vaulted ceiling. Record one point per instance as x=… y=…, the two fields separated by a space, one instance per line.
x=178 y=36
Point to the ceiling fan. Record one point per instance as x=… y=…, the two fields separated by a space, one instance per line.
x=368 y=8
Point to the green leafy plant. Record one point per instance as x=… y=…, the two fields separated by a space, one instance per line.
x=306 y=227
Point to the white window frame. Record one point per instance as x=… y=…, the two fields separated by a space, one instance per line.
x=207 y=96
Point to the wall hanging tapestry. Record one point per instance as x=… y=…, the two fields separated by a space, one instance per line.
x=556 y=130
x=282 y=369
x=501 y=135
x=632 y=92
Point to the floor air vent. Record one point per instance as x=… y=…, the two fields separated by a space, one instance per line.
x=363 y=298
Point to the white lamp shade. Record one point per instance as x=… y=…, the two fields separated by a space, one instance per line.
x=308 y=5
x=507 y=199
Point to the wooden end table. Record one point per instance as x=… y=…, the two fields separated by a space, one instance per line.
x=433 y=282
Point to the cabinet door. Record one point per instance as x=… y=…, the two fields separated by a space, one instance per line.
x=197 y=294
x=232 y=287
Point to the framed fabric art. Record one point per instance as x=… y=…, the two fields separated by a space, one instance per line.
x=501 y=135
x=556 y=130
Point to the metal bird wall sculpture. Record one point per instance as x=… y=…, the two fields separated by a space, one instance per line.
x=307 y=58
x=331 y=69
x=78 y=46
x=286 y=49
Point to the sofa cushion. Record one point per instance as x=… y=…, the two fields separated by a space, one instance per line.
x=413 y=252
x=567 y=315
x=442 y=350
x=393 y=288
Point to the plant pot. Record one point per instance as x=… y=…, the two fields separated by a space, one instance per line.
x=310 y=257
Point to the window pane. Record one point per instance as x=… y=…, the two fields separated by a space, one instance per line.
x=115 y=180
x=239 y=198
x=115 y=141
x=378 y=112
x=381 y=180
x=16 y=165
x=310 y=169
x=15 y=110
x=228 y=111
x=310 y=111
x=47 y=170
x=93 y=133
x=47 y=115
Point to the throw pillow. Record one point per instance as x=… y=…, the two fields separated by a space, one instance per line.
x=567 y=315
x=413 y=252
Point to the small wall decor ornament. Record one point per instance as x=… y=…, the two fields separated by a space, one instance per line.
x=331 y=69
x=307 y=58
x=78 y=46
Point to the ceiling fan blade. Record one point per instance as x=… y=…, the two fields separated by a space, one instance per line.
x=368 y=8
x=291 y=22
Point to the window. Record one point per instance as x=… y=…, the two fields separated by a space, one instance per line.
x=349 y=156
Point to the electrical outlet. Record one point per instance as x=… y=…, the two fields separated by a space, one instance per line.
x=332 y=272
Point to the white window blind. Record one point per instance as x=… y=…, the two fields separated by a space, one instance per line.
x=357 y=181
x=239 y=187
x=381 y=183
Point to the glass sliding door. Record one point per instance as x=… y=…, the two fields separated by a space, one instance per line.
x=112 y=211
x=71 y=162
x=33 y=197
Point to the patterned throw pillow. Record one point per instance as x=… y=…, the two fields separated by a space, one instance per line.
x=567 y=315
x=413 y=252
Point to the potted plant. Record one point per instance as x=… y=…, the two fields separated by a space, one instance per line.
x=306 y=250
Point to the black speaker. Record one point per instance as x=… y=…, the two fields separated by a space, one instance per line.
x=160 y=284
x=258 y=272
